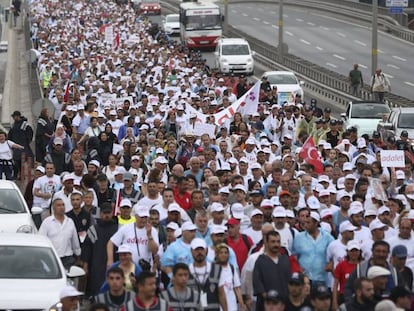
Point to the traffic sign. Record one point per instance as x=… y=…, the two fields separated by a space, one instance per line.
x=396 y=10
x=396 y=3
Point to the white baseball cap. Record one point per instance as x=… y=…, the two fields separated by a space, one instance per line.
x=198 y=243
x=346 y=226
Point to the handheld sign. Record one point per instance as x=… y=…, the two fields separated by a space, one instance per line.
x=392 y=158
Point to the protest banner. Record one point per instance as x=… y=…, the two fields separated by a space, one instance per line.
x=392 y=158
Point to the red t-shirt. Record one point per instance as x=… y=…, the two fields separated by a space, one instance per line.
x=240 y=249
x=342 y=272
x=183 y=200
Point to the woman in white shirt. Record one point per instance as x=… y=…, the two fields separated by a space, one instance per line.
x=230 y=279
x=6 y=156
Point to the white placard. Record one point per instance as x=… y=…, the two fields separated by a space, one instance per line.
x=392 y=158
x=109 y=35
x=396 y=3
x=204 y=128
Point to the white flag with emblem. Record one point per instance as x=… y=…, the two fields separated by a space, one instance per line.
x=250 y=100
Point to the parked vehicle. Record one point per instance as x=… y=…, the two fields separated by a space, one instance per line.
x=15 y=215
x=400 y=119
x=31 y=272
x=365 y=115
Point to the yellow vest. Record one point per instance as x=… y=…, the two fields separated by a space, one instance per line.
x=122 y=221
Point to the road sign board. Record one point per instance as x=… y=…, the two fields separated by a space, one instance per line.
x=396 y=10
x=396 y=3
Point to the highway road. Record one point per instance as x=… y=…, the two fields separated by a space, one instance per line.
x=329 y=41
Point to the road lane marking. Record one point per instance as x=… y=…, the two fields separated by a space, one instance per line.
x=233 y=11
x=360 y=42
x=266 y=22
x=272 y=12
x=409 y=83
x=299 y=20
x=275 y=26
x=245 y=15
x=249 y=7
x=393 y=66
x=319 y=48
x=325 y=28
x=256 y=19
x=388 y=76
x=362 y=66
x=331 y=65
x=341 y=34
x=310 y=24
x=289 y=33
x=285 y=15
x=380 y=51
x=339 y=57
x=399 y=58
x=304 y=41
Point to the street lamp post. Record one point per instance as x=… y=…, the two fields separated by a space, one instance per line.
x=280 y=48
x=226 y=16
x=374 y=55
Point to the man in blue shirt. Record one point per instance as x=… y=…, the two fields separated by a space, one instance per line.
x=310 y=248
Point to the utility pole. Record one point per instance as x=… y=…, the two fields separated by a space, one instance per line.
x=226 y=16
x=374 y=55
x=280 y=47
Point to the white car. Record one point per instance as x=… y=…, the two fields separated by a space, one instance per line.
x=233 y=55
x=287 y=84
x=171 y=24
x=31 y=273
x=15 y=215
x=365 y=116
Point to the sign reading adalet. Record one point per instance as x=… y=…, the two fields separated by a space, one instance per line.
x=392 y=158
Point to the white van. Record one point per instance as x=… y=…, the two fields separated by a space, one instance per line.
x=233 y=55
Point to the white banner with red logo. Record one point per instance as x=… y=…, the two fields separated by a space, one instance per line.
x=246 y=105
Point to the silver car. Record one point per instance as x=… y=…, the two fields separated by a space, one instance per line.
x=15 y=215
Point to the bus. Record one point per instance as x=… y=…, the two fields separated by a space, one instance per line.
x=200 y=24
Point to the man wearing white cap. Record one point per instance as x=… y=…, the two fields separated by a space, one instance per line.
x=310 y=246
x=69 y=299
x=377 y=229
x=379 y=258
x=336 y=251
x=356 y=216
x=66 y=191
x=207 y=278
x=44 y=189
x=218 y=236
x=140 y=236
x=80 y=123
x=255 y=231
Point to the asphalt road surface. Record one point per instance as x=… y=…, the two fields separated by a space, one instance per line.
x=329 y=41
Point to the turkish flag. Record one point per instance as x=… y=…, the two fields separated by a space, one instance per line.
x=310 y=154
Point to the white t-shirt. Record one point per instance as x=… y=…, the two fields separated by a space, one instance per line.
x=126 y=235
x=5 y=150
x=150 y=203
x=362 y=235
x=255 y=235
x=336 y=252
x=230 y=281
x=45 y=185
x=115 y=126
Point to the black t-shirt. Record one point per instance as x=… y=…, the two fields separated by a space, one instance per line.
x=305 y=306
x=118 y=300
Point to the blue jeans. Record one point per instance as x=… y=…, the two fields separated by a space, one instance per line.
x=7 y=169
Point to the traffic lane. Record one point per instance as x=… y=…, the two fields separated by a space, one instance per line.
x=260 y=69
x=339 y=49
x=343 y=49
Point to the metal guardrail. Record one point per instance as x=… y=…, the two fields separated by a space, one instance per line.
x=35 y=88
x=326 y=83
